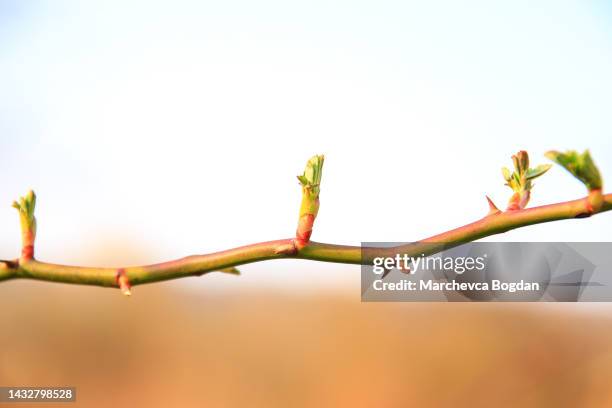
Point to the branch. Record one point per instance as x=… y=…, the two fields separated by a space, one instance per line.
x=300 y=247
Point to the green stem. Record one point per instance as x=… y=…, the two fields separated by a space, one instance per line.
x=492 y=224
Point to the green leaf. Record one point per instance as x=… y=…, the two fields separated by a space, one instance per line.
x=538 y=171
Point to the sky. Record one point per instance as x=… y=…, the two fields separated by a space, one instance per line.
x=155 y=130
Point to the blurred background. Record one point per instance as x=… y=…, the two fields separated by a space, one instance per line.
x=154 y=130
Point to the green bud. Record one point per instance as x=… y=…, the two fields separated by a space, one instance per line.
x=311 y=182
x=309 y=208
x=521 y=162
x=26 y=206
x=520 y=179
x=580 y=166
x=311 y=178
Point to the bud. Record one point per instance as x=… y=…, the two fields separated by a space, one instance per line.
x=26 y=206
x=580 y=165
x=584 y=169
x=310 y=181
x=520 y=179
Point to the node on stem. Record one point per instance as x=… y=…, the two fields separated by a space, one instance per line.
x=123 y=282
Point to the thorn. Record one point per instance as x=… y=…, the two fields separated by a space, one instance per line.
x=492 y=207
x=231 y=270
x=407 y=271
x=123 y=282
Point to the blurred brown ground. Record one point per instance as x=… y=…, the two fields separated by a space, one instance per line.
x=256 y=348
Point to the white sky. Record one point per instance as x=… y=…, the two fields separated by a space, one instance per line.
x=151 y=132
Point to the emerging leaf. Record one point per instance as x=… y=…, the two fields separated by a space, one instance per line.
x=26 y=204
x=311 y=178
x=520 y=179
x=581 y=166
x=521 y=162
x=538 y=171
x=303 y=180
x=506 y=173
